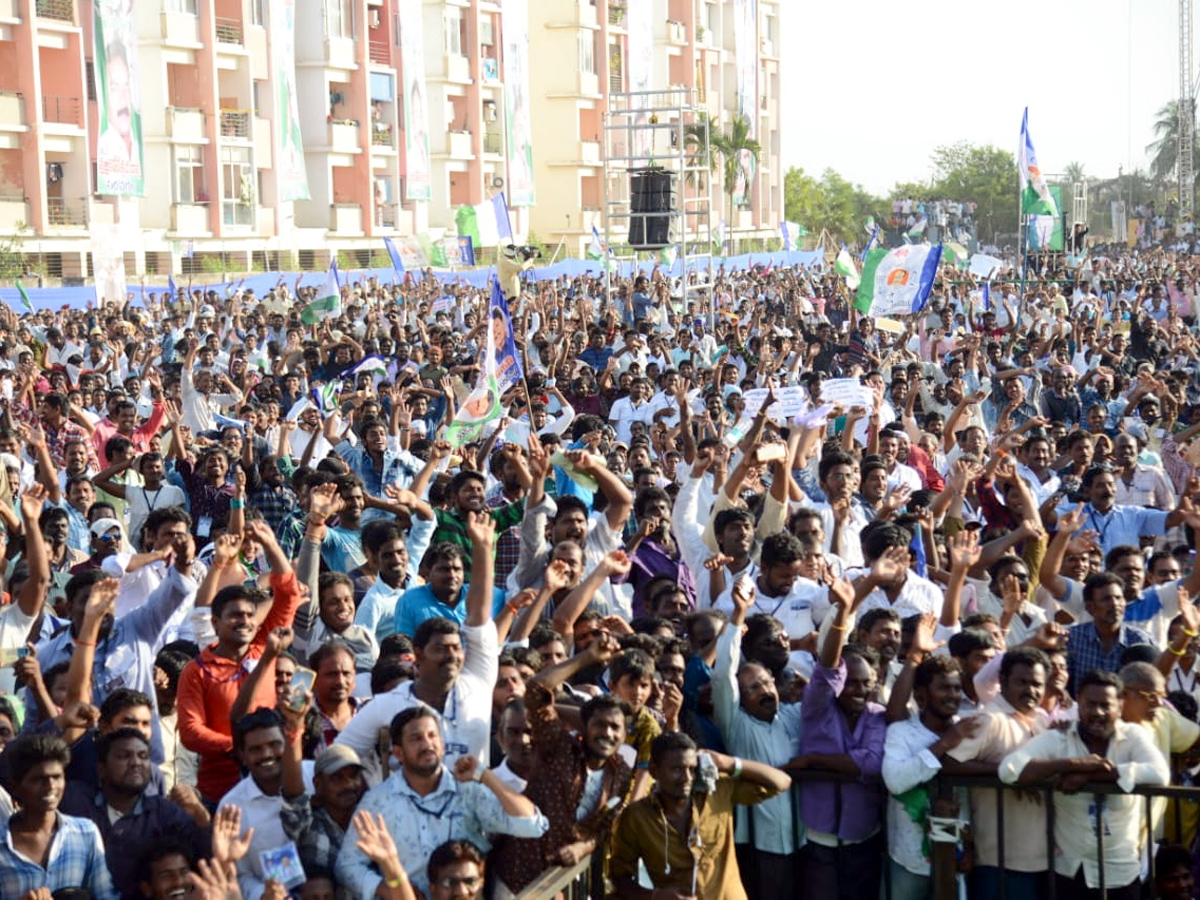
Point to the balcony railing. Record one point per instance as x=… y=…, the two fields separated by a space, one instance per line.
x=492 y=142
x=235 y=123
x=63 y=10
x=63 y=212
x=383 y=137
x=379 y=52
x=61 y=110
x=229 y=31
x=616 y=13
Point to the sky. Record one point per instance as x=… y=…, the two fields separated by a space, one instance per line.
x=888 y=82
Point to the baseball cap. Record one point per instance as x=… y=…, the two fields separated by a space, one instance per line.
x=103 y=526
x=334 y=759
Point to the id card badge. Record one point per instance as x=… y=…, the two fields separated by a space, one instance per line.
x=204 y=526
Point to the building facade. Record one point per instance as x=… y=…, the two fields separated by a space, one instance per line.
x=211 y=88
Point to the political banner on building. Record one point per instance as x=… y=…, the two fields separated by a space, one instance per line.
x=290 y=172
x=418 y=172
x=640 y=67
x=108 y=264
x=516 y=107
x=119 y=155
x=745 y=42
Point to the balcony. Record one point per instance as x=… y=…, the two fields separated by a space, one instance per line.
x=382 y=135
x=12 y=111
x=66 y=213
x=13 y=211
x=235 y=124
x=189 y=218
x=229 y=31
x=458 y=68
x=615 y=82
x=185 y=124
x=59 y=110
x=9 y=10
x=60 y=10
x=458 y=144
x=590 y=152
x=493 y=143
x=343 y=137
x=345 y=218
x=380 y=53
x=676 y=32
x=616 y=14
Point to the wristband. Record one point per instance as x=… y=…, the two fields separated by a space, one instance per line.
x=515 y=610
x=397 y=881
x=1171 y=650
x=1191 y=633
x=93 y=644
x=737 y=767
x=237 y=504
x=480 y=768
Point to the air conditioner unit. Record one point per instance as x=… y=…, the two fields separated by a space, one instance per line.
x=497 y=182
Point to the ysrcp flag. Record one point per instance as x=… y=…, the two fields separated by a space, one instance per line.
x=507 y=360
x=1035 y=195
x=501 y=368
x=897 y=282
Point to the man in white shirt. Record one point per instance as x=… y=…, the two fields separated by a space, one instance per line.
x=627 y=410
x=456 y=669
x=1101 y=748
x=899 y=474
x=1007 y=722
x=663 y=407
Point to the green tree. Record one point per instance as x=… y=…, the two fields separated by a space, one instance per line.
x=985 y=175
x=1074 y=172
x=831 y=203
x=726 y=148
x=1164 y=149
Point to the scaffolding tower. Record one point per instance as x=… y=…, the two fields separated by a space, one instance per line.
x=1187 y=123
x=664 y=130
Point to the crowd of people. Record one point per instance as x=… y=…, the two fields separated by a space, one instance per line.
x=721 y=604
x=953 y=217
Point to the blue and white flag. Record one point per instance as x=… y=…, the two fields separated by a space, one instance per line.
x=898 y=282
x=171 y=287
x=917 y=548
x=397 y=262
x=503 y=222
x=325 y=397
x=373 y=366
x=507 y=360
x=790 y=231
x=1036 y=199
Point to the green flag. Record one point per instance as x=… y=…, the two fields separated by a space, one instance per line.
x=25 y=301
x=467 y=224
x=866 y=287
x=328 y=304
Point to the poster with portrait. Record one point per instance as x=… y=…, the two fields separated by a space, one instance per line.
x=290 y=169
x=516 y=94
x=418 y=175
x=119 y=155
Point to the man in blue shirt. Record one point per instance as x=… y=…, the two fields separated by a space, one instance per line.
x=597 y=353
x=1115 y=525
x=445 y=594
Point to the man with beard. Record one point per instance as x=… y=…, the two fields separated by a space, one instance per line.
x=913 y=754
x=654 y=551
x=1010 y=720
x=755 y=725
x=423 y=801
x=1101 y=643
x=445 y=595
x=882 y=631
x=1138 y=484
x=900 y=475
x=42 y=850
x=684 y=836
x=842 y=519
x=317 y=821
x=454 y=680
x=1100 y=748
x=125 y=814
x=582 y=779
x=843 y=732
x=1120 y=525
x=398 y=556
x=780 y=591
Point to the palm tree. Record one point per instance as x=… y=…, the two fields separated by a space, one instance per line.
x=731 y=146
x=1074 y=172
x=1164 y=150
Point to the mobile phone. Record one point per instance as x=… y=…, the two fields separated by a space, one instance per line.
x=301 y=686
x=10 y=655
x=770 y=452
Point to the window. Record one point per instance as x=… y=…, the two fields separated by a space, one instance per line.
x=89 y=74
x=587 y=52
x=452 y=22
x=238 y=187
x=487 y=31
x=180 y=6
x=258 y=12
x=339 y=19
x=189 y=174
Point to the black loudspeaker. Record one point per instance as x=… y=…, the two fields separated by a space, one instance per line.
x=653 y=197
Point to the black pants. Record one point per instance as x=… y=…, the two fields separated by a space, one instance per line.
x=848 y=872
x=1076 y=889
x=768 y=876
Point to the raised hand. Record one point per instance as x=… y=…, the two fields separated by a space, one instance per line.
x=481 y=529
x=324 y=501
x=32 y=500
x=226 y=548
x=229 y=844
x=715 y=562
x=278 y=640
x=374 y=840
x=558 y=575
x=464 y=768
x=1071 y=520
x=923 y=642
x=603 y=648
x=743 y=594
x=102 y=599
x=617 y=562
x=964 y=550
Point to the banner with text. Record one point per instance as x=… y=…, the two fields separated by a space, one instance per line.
x=119 y=158
x=516 y=108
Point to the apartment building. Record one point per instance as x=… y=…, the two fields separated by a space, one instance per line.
x=277 y=132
